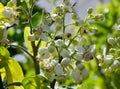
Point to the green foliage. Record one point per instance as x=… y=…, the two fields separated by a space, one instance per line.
x=26 y=34
x=35 y=82
x=12 y=68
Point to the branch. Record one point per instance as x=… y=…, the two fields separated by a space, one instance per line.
x=22 y=48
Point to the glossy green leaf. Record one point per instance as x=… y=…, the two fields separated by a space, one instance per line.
x=3 y=61
x=26 y=34
x=36 y=82
x=13 y=73
x=4 y=52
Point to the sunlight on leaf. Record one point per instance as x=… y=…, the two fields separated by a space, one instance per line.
x=14 y=73
x=26 y=34
x=36 y=82
x=4 y=52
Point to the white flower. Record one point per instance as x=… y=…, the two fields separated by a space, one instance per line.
x=115 y=64
x=8 y=12
x=65 y=61
x=107 y=60
x=85 y=54
x=78 y=56
x=52 y=49
x=58 y=69
x=64 y=53
x=76 y=76
x=69 y=33
x=82 y=40
x=85 y=73
x=80 y=49
x=44 y=37
x=60 y=42
x=44 y=53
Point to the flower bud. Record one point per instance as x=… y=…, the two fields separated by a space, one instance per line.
x=111 y=41
x=83 y=40
x=115 y=64
x=79 y=65
x=107 y=60
x=64 y=53
x=85 y=73
x=78 y=56
x=76 y=76
x=74 y=16
x=58 y=70
x=99 y=17
x=60 y=42
x=51 y=49
x=90 y=10
x=65 y=61
x=31 y=37
x=112 y=50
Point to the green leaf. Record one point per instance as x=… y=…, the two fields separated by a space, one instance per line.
x=36 y=82
x=1 y=33
x=3 y=61
x=4 y=52
x=116 y=79
x=13 y=73
x=26 y=34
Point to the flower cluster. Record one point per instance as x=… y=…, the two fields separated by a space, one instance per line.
x=65 y=47
x=8 y=17
x=111 y=62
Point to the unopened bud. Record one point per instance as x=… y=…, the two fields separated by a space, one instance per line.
x=111 y=41
x=31 y=37
x=58 y=70
x=90 y=10
x=65 y=61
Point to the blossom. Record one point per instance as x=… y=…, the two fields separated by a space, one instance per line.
x=44 y=53
x=64 y=53
x=85 y=54
x=84 y=73
x=65 y=61
x=60 y=43
x=106 y=60
x=58 y=69
x=77 y=76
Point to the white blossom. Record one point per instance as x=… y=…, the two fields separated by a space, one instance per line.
x=60 y=42
x=76 y=76
x=64 y=53
x=85 y=73
x=44 y=53
x=58 y=69
x=65 y=61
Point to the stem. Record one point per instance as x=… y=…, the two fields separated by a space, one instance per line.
x=22 y=48
x=34 y=47
x=53 y=84
x=1 y=84
x=63 y=25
